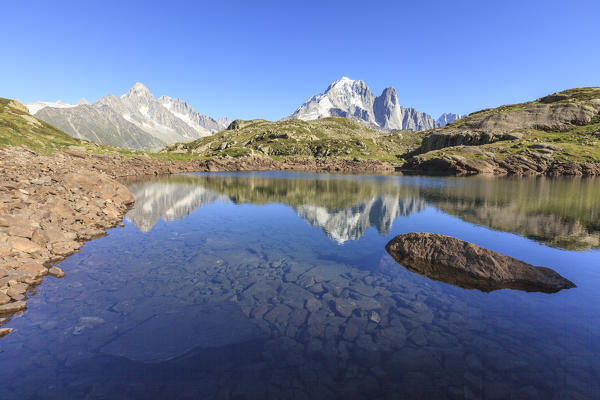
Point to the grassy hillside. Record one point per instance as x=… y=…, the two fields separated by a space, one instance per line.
x=581 y=144
x=563 y=126
x=21 y=129
x=328 y=137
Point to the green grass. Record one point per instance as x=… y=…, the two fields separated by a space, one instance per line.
x=324 y=138
x=578 y=144
x=583 y=96
x=327 y=138
x=20 y=129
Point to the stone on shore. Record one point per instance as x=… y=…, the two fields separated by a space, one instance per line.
x=4 y=298
x=34 y=269
x=465 y=264
x=24 y=245
x=49 y=206
x=13 y=307
x=56 y=272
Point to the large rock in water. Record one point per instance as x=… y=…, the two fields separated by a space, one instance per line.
x=467 y=265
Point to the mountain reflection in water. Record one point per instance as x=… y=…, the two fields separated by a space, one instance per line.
x=561 y=213
x=240 y=294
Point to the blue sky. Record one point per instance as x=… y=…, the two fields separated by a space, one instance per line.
x=263 y=59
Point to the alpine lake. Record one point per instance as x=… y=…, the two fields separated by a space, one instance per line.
x=278 y=285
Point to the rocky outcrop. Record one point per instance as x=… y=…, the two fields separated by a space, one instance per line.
x=476 y=161
x=535 y=115
x=450 y=138
x=557 y=113
x=465 y=264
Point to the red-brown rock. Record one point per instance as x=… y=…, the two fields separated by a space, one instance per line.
x=465 y=264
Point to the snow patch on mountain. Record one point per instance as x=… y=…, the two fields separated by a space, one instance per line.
x=38 y=105
x=164 y=120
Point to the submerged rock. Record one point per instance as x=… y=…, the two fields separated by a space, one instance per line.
x=5 y=331
x=467 y=265
x=172 y=334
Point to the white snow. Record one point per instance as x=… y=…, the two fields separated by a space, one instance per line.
x=38 y=105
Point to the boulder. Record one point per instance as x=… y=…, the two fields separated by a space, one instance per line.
x=467 y=265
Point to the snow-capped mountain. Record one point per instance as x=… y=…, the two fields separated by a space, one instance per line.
x=446 y=118
x=135 y=120
x=352 y=99
x=192 y=118
x=38 y=105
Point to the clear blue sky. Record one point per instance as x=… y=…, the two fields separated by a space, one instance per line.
x=253 y=59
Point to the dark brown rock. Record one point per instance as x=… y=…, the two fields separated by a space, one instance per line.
x=467 y=265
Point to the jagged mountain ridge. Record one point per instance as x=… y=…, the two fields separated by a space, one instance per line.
x=352 y=99
x=446 y=118
x=135 y=120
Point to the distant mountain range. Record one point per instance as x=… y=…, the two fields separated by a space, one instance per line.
x=352 y=99
x=136 y=120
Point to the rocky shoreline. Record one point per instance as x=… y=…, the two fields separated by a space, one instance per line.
x=49 y=206
x=515 y=165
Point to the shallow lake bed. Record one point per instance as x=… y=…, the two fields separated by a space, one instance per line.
x=278 y=285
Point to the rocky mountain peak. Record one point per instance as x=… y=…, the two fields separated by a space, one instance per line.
x=390 y=95
x=343 y=81
x=138 y=90
x=352 y=99
x=135 y=120
x=446 y=118
x=349 y=88
x=107 y=100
